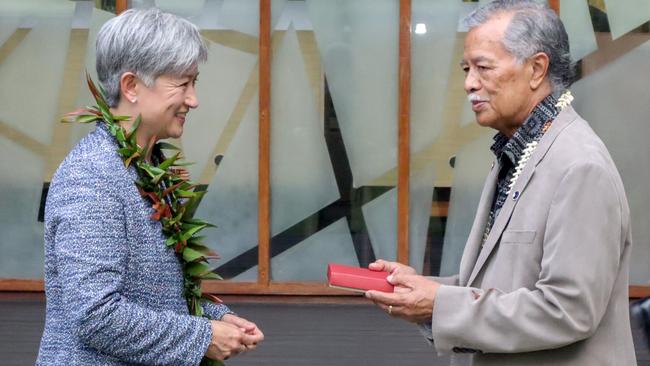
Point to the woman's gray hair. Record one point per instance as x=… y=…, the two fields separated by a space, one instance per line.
x=148 y=43
x=533 y=28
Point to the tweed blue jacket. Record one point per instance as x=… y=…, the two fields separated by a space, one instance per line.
x=114 y=290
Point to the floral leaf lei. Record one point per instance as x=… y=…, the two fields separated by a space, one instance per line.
x=173 y=198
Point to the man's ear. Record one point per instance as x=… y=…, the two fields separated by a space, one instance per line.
x=539 y=66
x=128 y=90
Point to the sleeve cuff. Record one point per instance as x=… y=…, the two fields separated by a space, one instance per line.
x=446 y=317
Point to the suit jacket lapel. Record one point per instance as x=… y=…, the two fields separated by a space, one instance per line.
x=565 y=117
x=474 y=240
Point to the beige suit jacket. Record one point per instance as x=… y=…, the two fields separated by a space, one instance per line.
x=550 y=284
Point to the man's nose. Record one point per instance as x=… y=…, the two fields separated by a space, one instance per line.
x=472 y=82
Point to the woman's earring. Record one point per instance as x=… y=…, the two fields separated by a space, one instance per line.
x=134 y=100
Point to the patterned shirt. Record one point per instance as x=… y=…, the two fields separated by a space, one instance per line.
x=509 y=150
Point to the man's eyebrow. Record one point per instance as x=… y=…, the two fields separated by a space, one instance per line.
x=482 y=59
x=476 y=59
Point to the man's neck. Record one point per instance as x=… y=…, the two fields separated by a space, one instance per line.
x=535 y=99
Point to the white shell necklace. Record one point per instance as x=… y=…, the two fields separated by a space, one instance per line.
x=565 y=100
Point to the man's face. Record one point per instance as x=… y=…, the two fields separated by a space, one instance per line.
x=497 y=85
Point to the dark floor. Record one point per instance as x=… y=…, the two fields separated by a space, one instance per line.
x=296 y=334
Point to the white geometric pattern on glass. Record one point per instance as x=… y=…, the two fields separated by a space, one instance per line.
x=302 y=179
x=358 y=50
x=307 y=260
x=625 y=15
x=577 y=22
x=231 y=201
x=221 y=82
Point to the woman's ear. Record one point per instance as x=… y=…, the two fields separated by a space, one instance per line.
x=539 y=65
x=128 y=82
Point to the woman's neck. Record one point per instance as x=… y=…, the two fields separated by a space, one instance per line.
x=143 y=137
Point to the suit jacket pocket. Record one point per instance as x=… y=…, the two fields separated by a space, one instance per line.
x=518 y=236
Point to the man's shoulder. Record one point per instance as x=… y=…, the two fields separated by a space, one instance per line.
x=579 y=144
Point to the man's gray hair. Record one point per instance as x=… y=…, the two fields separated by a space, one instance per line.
x=148 y=43
x=533 y=28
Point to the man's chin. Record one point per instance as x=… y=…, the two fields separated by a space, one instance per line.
x=484 y=122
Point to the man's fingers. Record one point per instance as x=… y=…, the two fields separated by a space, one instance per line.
x=378 y=265
x=402 y=280
x=385 y=298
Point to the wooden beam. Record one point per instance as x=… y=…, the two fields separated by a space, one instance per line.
x=264 y=191
x=637 y=292
x=211 y=286
x=403 y=135
x=253 y=288
x=20 y=285
x=120 y=6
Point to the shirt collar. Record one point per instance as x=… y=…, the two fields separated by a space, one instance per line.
x=512 y=148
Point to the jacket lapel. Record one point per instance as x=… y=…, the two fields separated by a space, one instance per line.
x=473 y=244
x=565 y=117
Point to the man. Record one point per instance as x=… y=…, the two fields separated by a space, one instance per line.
x=544 y=275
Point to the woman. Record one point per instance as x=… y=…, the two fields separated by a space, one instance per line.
x=115 y=288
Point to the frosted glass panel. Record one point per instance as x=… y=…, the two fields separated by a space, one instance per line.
x=243 y=15
x=183 y=8
x=434 y=51
x=43 y=48
x=433 y=59
x=614 y=100
x=577 y=22
x=231 y=201
x=33 y=9
x=307 y=261
x=381 y=219
x=420 y=211
x=472 y=165
x=83 y=96
x=358 y=49
x=220 y=87
x=8 y=25
x=30 y=39
x=294 y=15
x=20 y=194
x=625 y=15
x=302 y=179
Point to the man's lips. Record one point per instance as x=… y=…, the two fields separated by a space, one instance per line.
x=477 y=105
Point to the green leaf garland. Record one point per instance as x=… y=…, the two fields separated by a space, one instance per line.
x=173 y=199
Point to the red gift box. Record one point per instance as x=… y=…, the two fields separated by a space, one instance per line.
x=357 y=279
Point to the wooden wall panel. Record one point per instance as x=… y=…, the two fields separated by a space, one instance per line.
x=264 y=191
x=403 y=135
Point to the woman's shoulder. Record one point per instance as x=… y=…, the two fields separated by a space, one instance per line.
x=94 y=158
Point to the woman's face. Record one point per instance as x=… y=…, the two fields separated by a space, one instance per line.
x=165 y=104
